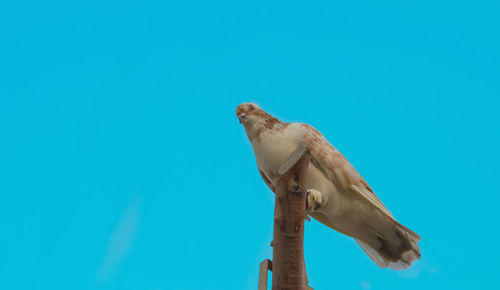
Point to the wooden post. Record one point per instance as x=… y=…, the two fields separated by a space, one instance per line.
x=264 y=266
x=288 y=265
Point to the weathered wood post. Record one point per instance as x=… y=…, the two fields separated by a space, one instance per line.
x=264 y=267
x=288 y=264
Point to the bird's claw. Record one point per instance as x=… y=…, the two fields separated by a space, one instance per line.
x=314 y=200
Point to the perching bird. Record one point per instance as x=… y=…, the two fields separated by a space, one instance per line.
x=337 y=195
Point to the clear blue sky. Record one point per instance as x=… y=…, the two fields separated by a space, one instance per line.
x=123 y=165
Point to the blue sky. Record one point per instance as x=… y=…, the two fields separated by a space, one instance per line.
x=123 y=165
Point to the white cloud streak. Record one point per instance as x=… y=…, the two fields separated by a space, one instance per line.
x=365 y=285
x=418 y=268
x=120 y=241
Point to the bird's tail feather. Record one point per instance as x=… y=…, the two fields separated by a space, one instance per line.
x=397 y=252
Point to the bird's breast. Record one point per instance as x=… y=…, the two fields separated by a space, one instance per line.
x=272 y=148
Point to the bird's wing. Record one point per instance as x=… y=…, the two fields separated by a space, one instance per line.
x=387 y=242
x=337 y=169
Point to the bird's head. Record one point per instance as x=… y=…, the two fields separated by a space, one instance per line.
x=249 y=113
x=254 y=119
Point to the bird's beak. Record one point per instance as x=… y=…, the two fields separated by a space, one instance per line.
x=242 y=117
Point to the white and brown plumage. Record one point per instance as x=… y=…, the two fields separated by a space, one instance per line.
x=337 y=195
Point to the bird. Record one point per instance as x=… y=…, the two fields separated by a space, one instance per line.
x=337 y=195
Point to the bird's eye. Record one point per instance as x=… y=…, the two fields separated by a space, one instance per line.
x=252 y=107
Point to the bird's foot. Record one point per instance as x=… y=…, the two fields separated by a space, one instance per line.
x=314 y=200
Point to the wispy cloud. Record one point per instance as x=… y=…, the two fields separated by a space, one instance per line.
x=419 y=267
x=365 y=285
x=120 y=241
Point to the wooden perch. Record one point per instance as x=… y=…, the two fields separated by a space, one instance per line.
x=288 y=264
x=264 y=266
